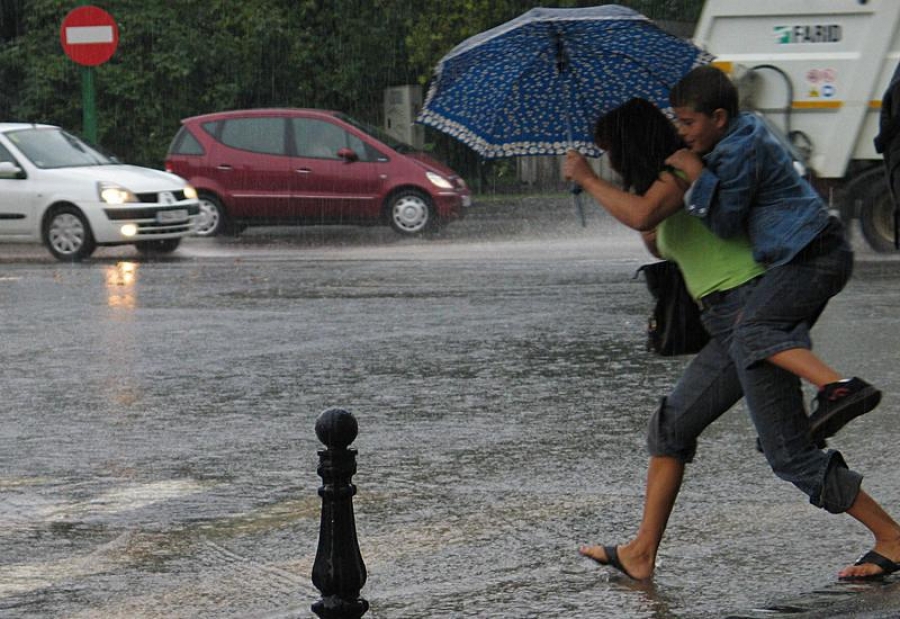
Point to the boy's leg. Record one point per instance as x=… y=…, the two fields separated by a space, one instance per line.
x=786 y=302
x=806 y=365
x=838 y=400
x=774 y=327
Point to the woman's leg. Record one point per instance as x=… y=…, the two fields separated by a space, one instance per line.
x=638 y=556
x=774 y=398
x=775 y=402
x=708 y=388
x=884 y=529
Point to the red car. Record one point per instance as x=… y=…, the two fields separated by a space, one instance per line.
x=301 y=166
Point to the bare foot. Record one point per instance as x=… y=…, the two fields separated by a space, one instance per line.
x=637 y=566
x=882 y=560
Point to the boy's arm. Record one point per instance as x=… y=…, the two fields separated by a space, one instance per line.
x=723 y=191
x=686 y=161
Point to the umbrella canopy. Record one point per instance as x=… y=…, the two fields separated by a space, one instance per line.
x=537 y=84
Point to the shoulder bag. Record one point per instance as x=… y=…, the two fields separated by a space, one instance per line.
x=674 y=327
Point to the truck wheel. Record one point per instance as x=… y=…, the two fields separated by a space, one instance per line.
x=876 y=216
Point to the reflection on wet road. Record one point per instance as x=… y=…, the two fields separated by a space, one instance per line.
x=157 y=452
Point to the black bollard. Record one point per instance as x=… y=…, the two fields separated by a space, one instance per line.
x=338 y=572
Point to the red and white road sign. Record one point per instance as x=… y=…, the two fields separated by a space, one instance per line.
x=89 y=35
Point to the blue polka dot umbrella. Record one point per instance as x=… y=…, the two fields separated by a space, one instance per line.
x=537 y=84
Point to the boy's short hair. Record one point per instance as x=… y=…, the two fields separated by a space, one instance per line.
x=706 y=89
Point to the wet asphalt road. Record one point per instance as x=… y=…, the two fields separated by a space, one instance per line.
x=157 y=453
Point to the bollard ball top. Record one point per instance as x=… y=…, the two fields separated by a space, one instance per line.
x=336 y=428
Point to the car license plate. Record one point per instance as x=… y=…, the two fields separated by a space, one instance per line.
x=467 y=201
x=168 y=217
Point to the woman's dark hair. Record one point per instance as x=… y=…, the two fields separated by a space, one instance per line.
x=637 y=137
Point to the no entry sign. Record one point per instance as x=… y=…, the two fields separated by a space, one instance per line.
x=89 y=35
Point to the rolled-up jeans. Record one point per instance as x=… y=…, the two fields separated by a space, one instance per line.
x=712 y=384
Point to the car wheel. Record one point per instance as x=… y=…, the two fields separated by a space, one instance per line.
x=68 y=235
x=160 y=246
x=212 y=216
x=410 y=212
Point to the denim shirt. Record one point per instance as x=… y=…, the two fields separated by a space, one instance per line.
x=749 y=184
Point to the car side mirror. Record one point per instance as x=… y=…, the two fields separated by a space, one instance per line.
x=10 y=170
x=348 y=155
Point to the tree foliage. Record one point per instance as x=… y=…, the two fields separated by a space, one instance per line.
x=189 y=57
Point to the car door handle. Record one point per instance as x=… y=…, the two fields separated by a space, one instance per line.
x=303 y=171
x=224 y=166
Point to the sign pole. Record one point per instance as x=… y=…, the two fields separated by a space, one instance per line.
x=89 y=36
x=89 y=103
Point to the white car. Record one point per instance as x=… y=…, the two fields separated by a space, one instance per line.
x=58 y=190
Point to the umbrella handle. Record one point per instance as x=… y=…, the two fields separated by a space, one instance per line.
x=579 y=206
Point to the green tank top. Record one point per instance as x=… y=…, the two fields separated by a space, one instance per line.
x=708 y=263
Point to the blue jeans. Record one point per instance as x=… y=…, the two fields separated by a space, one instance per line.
x=712 y=383
x=788 y=299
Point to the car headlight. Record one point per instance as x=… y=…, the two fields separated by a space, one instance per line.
x=438 y=180
x=189 y=192
x=115 y=194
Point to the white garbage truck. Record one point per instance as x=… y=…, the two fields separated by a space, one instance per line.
x=817 y=70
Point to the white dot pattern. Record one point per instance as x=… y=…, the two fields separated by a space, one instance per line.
x=503 y=94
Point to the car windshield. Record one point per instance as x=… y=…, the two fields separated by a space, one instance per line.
x=378 y=134
x=54 y=148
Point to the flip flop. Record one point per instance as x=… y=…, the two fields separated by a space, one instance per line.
x=887 y=566
x=612 y=560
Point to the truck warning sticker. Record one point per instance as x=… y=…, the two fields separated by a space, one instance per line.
x=824 y=33
x=821 y=83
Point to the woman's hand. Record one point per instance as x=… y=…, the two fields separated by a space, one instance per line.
x=576 y=168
